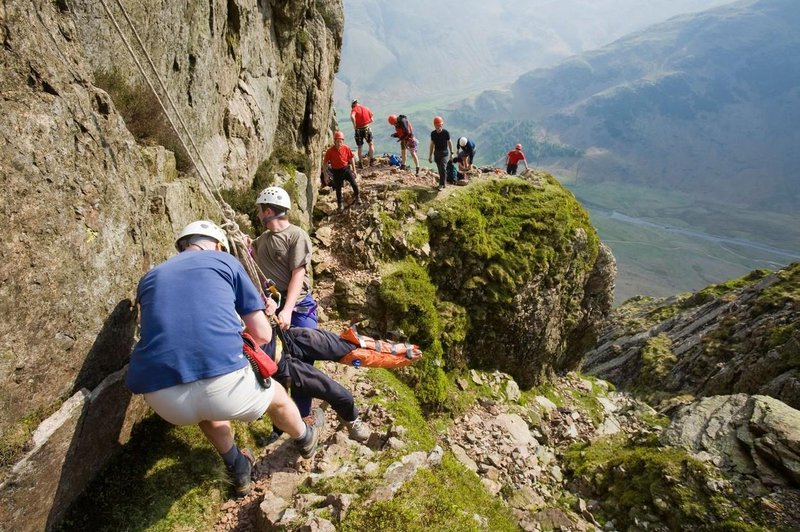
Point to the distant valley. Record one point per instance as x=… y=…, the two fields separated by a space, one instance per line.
x=690 y=123
x=403 y=54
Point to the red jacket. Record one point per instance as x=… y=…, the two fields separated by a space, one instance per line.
x=363 y=115
x=515 y=156
x=338 y=157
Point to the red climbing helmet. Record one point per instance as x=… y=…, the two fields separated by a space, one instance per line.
x=393 y=119
x=338 y=136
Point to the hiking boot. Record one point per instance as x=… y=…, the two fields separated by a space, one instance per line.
x=417 y=171
x=403 y=167
x=441 y=187
x=358 y=430
x=274 y=436
x=316 y=418
x=307 y=444
x=239 y=474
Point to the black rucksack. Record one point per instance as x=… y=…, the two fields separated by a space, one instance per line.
x=452 y=171
x=402 y=121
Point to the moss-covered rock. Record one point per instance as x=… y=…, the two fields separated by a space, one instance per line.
x=645 y=482
x=447 y=497
x=657 y=360
x=518 y=258
x=410 y=301
x=732 y=337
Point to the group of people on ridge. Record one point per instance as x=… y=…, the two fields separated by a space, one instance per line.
x=452 y=164
x=189 y=362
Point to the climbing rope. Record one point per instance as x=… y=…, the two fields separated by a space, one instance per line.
x=236 y=237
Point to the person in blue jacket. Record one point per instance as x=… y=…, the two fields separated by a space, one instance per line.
x=467 y=147
x=189 y=363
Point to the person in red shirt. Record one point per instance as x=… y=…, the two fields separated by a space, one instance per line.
x=404 y=132
x=343 y=168
x=513 y=158
x=361 y=117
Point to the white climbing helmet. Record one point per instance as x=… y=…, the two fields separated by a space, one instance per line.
x=204 y=228
x=274 y=196
x=462 y=141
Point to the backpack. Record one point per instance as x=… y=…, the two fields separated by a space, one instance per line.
x=452 y=171
x=402 y=121
x=394 y=160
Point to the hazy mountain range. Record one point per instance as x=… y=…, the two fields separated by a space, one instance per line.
x=706 y=104
x=397 y=52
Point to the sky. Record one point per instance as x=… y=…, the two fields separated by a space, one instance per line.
x=399 y=53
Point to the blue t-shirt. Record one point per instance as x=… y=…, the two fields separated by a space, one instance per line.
x=190 y=326
x=469 y=149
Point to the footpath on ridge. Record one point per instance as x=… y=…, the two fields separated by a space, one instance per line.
x=492 y=438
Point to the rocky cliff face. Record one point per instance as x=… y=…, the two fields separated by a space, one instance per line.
x=86 y=209
x=737 y=337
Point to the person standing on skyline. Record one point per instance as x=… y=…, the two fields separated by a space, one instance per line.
x=513 y=158
x=404 y=132
x=441 y=149
x=361 y=117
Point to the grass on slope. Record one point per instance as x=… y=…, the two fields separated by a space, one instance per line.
x=165 y=478
x=169 y=478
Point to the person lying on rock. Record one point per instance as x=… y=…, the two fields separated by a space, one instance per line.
x=295 y=370
x=303 y=344
x=189 y=362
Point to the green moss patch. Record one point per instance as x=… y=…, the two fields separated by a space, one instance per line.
x=494 y=238
x=409 y=298
x=647 y=482
x=714 y=291
x=785 y=291
x=165 y=478
x=446 y=497
x=657 y=360
x=400 y=401
x=15 y=439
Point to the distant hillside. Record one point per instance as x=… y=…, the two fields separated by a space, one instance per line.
x=706 y=104
x=404 y=52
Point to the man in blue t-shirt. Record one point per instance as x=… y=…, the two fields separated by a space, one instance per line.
x=189 y=363
x=467 y=147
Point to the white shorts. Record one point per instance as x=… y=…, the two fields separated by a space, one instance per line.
x=233 y=396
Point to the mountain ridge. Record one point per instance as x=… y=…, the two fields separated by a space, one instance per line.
x=705 y=103
x=411 y=45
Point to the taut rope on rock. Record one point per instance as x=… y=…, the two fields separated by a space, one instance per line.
x=236 y=238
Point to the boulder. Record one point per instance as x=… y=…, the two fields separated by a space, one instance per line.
x=747 y=435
